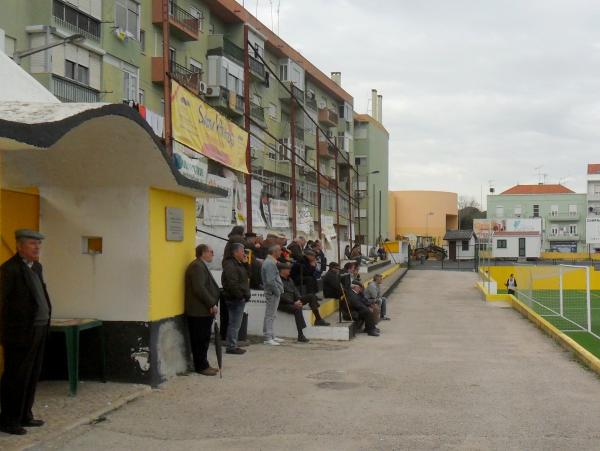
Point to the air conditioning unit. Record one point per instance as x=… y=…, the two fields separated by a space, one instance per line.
x=203 y=88
x=213 y=91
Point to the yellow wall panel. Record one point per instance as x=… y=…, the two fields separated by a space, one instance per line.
x=20 y=210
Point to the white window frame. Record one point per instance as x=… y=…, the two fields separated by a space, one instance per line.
x=127 y=5
x=499 y=211
x=554 y=230
x=284 y=72
x=572 y=229
x=274 y=112
x=553 y=210
x=195 y=64
x=198 y=14
x=573 y=210
x=130 y=91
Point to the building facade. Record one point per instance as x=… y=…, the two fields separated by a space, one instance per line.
x=119 y=58
x=562 y=212
x=593 y=190
x=371 y=155
x=423 y=217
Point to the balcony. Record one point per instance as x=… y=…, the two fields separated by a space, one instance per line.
x=257 y=69
x=563 y=237
x=325 y=149
x=299 y=133
x=328 y=117
x=564 y=217
x=257 y=112
x=181 y=23
x=226 y=101
x=221 y=46
x=180 y=74
x=75 y=21
x=311 y=103
x=286 y=98
x=67 y=90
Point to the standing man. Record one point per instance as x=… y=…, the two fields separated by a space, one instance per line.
x=373 y=293
x=236 y=291
x=26 y=309
x=511 y=284
x=201 y=299
x=273 y=290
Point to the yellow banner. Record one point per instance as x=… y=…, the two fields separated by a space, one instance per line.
x=203 y=129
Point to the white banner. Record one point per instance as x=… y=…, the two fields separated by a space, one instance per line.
x=192 y=168
x=523 y=225
x=327 y=227
x=218 y=211
x=305 y=221
x=257 y=217
x=592 y=230
x=280 y=214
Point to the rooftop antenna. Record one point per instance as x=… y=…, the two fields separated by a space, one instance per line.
x=538 y=171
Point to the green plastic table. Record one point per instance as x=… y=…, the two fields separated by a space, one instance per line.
x=72 y=328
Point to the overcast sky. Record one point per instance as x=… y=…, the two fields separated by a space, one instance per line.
x=473 y=91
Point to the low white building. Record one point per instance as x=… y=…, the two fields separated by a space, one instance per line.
x=461 y=244
x=516 y=244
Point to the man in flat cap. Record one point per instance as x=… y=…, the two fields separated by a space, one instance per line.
x=25 y=316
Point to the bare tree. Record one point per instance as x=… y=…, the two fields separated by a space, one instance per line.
x=467 y=202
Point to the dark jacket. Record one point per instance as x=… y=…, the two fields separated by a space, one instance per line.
x=331 y=285
x=321 y=261
x=18 y=305
x=201 y=289
x=306 y=275
x=358 y=301
x=290 y=292
x=235 y=281
x=232 y=240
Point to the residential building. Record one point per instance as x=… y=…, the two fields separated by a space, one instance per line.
x=593 y=190
x=461 y=244
x=371 y=156
x=561 y=210
x=423 y=217
x=515 y=245
x=120 y=59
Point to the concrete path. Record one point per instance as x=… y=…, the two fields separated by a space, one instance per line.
x=449 y=372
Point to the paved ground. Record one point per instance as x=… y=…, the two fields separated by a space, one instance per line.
x=448 y=372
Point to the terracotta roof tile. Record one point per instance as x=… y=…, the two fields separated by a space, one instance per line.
x=593 y=168
x=538 y=189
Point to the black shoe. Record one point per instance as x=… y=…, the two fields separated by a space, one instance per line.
x=373 y=333
x=377 y=329
x=33 y=423
x=303 y=339
x=14 y=430
x=385 y=318
x=321 y=322
x=237 y=351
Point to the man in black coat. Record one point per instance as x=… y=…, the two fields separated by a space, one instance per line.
x=332 y=287
x=201 y=299
x=360 y=310
x=236 y=292
x=305 y=273
x=25 y=309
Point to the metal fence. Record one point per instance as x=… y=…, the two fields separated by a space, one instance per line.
x=448 y=257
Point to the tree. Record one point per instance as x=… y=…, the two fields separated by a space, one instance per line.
x=468 y=209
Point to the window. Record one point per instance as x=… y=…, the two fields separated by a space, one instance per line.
x=536 y=211
x=501 y=244
x=127 y=15
x=283 y=72
x=518 y=211
x=69 y=17
x=341 y=110
x=572 y=210
x=198 y=15
x=554 y=230
x=130 y=85
x=77 y=72
x=499 y=211
x=195 y=66
x=143 y=40
x=273 y=112
x=141 y=96
x=553 y=210
x=172 y=55
x=465 y=245
x=360 y=161
x=573 y=229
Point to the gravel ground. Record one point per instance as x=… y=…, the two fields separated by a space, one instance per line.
x=448 y=372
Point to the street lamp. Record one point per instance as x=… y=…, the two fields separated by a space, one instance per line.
x=431 y=213
x=23 y=53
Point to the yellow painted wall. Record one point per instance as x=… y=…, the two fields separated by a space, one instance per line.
x=169 y=259
x=544 y=277
x=20 y=210
x=412 y=207
x=569 y=256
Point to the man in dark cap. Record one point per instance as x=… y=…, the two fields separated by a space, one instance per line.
x=252 y=245
x=331 y=282
x=25 y=317
x=360 y=310
x=306 y=274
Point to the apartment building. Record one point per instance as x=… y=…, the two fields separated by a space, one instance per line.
x=371 y=156
x=593 y=190
x=561 y=209
x=118 y=57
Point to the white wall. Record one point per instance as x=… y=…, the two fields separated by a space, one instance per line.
x=533 y=247
x=111 y=286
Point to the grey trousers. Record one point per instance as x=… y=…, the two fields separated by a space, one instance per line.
x=270 y=313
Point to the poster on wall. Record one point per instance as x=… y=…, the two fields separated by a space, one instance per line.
x=304 y=221
x=189 y=163
x=217 y=211
x=203 y=129
x=327 y=227
x=280 y=213
x=592 y=230
x=484 y=228
x=257 y=218
x=523 y=225
x=239 y=197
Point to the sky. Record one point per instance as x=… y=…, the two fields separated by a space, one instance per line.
x=475 y=93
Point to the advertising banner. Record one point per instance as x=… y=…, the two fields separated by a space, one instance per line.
x=257 y=218
x=592 y=230
x=188 y=166
x=305 y=221
x=217 y=211
x=327 y=227
x=202 y=128
x=280 y=214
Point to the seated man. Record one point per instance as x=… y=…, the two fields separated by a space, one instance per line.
x=360 y=311
x=356 y=255
x=373 y=293
x=291 y=302
x=305 y=273
x=332 y=287
x=373 y=253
